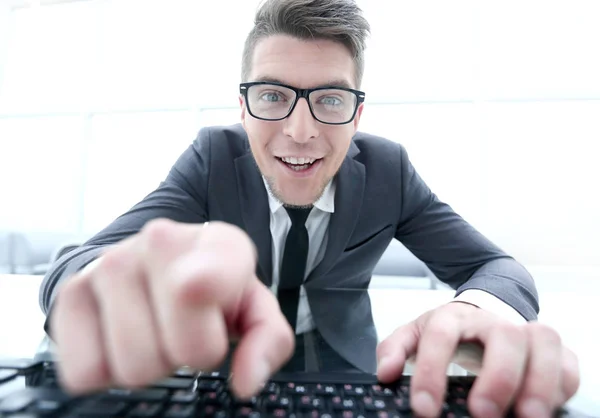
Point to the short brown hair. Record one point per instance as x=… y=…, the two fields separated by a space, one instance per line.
x=336 y=20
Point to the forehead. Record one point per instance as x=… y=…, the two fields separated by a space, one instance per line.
x=302 y=63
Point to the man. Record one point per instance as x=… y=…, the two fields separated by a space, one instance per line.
x=205 y=257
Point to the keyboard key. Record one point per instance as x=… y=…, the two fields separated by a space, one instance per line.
x=339 y=403
x=209 y=385
x=180 y=411
x=378 y=390
x=354 y=390
x=101 y=408
x=145 y=410
x=313 y=414
x=278 y=402
x=252 y=402
x=326 y=390
x=307 y=402
x=391 y=414
x=247 y=412
x=279 y=413
x=350 y=414
x=184 y=396
x=403 y=389
x=215 y=398
x=175 y=383
x=402 y=404
x=137 y=395
x=212 y=375
x=271 y=388
x=374 y=404
x=457 y=414
x=186 y=372
x=301 y=390
x=211 y=411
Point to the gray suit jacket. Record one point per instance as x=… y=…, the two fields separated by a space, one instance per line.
x=379 y=197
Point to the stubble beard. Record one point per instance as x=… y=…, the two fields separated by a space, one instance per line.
x=276 y=193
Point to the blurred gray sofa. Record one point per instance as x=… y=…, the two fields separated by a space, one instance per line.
x=32 y=252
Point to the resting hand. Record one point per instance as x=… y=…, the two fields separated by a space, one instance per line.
x=525 y=367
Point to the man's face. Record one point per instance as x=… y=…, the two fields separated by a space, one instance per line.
x=301 y=64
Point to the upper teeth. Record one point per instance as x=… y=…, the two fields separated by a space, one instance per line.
x=301 y=160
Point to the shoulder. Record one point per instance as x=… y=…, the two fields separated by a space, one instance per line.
x=230 y=140
x=374 y=149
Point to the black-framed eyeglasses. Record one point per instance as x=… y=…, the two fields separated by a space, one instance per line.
x=274 y=101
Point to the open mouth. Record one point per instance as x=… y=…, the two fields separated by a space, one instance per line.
x=299 y=164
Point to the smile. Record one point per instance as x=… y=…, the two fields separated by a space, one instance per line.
x=300 y=165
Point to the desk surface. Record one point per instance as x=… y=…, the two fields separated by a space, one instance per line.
x=21 y=323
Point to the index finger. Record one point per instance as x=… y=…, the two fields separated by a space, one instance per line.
x=266 y=343
x=435 y=351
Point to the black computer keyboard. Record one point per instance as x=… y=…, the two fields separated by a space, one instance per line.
x=188 y=393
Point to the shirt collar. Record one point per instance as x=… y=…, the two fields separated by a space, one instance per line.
x=326 y=202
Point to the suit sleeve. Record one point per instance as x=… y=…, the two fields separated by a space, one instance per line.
x=455 y=251
x=180 y=197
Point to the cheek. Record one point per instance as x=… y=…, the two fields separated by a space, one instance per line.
x=339 y=143
x=260 y=134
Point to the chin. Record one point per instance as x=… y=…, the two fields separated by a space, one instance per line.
x=297 y=199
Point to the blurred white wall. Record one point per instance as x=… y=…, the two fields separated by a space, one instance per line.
x=497 y=102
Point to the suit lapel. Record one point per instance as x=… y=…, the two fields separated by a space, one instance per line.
x=350 y=186
x=254 y=205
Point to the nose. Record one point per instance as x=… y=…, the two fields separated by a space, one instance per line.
x=300 y=124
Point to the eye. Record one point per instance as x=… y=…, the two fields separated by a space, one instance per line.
x=271 y=97
x=330 y=101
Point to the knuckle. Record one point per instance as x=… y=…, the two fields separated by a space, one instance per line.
x=545 y=333
x=505 y=382
x=115 y=260
x=156 y=231
x=229 y=237
x=441 y=328
x=70 y=290
x=511 y=332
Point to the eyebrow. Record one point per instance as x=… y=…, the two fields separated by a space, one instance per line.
x=333 y=83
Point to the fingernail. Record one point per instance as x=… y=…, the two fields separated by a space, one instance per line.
x=423 y=404
x=486 y=408
x=535 y=408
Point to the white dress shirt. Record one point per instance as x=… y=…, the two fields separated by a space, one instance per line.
x=317 y=225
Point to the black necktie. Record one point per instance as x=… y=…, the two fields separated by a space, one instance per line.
x=293 y=265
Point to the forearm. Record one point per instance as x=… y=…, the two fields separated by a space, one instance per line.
x=507 y=281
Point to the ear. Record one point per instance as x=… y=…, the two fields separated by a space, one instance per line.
x=243 y=109
x=356 y=120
